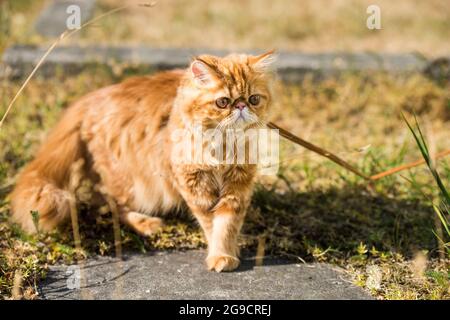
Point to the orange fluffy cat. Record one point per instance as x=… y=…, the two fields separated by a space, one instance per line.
x=123 y=134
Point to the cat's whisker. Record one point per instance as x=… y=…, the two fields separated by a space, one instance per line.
x=223 y=123
x=254 y=120
x=261 y=124
x=230 y=119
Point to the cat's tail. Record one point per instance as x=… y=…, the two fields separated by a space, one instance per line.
x=41 y=198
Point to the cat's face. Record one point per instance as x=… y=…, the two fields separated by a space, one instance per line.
x=229 y=92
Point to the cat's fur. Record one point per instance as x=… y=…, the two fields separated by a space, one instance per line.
x=123 y=134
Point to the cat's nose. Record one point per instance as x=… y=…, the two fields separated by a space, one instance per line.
x=240 y=105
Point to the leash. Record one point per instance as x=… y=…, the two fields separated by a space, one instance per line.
x=327 y=154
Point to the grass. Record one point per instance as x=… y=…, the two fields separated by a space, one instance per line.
x=16 y=18
x=312 y=211
x=442 y=210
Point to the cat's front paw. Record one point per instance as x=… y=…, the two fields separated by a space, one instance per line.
x=222 y=263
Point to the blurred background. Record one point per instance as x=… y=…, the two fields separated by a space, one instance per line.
x=307 y=25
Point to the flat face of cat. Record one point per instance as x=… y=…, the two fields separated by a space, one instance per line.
x=230 y=92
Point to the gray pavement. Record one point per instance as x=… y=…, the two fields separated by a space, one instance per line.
x=182 y=275
x=52 y=20
x=19 y=60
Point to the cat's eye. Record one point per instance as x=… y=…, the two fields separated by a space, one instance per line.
x=222 y=102
x=254 y=99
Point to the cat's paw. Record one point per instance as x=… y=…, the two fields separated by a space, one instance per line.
x=143 y=224
x=222 y=263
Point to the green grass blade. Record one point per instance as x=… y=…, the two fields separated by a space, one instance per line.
x=443 y=219
x=420 y=140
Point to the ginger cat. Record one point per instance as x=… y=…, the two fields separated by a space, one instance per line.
x=123 y=134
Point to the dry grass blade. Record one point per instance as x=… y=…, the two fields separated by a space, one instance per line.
x=116 y=225
x=259 y=259
x=407 y=166
x=16 y=292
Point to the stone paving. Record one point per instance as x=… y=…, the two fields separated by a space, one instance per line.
x=182 y=275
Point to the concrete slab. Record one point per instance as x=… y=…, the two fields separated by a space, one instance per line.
x=19 y=60
x=182 y=275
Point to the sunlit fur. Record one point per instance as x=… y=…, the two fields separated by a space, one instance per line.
x=122 y=133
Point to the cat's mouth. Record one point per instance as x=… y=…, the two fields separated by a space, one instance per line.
x=239 y=119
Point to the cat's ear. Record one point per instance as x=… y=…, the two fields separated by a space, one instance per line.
x=202 y=72
x=264 y=62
